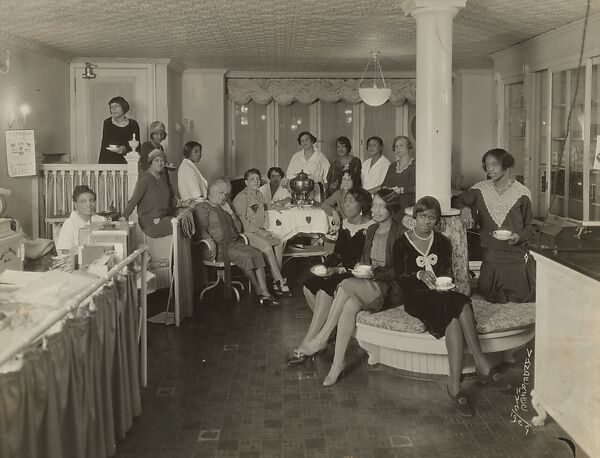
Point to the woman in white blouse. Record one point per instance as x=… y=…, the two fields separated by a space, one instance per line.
x=84 y=212
x=375 y=168
x=310 y=160
x=192 y=185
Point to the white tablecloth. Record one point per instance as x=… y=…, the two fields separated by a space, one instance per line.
x=291 y=221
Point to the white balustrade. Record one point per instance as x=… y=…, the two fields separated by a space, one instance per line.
x=109 y=181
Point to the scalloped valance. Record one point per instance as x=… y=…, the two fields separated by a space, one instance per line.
x=285 y=90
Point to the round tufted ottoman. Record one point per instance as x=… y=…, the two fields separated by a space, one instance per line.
x=396 y=339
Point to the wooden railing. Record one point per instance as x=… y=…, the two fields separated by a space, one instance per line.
x=113 y=184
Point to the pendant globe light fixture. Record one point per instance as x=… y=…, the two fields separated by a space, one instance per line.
x=374 y=96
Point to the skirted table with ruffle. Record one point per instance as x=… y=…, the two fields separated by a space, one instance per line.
x=79 y=391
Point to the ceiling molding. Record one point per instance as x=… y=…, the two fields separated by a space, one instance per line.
x=205 y=71
x=30 y=45
x=305 y=75
x=120 y=60
x=473 y=71
x=565 y=30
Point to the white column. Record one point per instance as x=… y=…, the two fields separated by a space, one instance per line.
x=434 y=96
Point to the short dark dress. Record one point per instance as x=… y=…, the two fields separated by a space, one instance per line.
x=347 y=252
x=120 y=136
x=435 y=309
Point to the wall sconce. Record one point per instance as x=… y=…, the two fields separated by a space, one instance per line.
x=88 y=71
x=24 y=110
x=11 y=118
x=4 y=71
x=183 y=125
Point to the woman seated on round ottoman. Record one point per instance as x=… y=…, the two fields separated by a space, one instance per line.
x=319 y=290
x=375 y=291
x=420 y=257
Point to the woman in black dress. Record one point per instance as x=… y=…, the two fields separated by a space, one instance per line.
x=319 y=290
x=373 y=290
x=420 y=256
x=342 y=163
x=401 y=174
x=117 y=131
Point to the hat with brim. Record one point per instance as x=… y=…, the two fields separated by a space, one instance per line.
x=154 y=154
x=158 y=126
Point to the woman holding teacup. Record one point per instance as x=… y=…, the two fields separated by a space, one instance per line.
x=374 y=289
x=117 y=131
x=421 y=257
x=504 y=215
x=320 y=288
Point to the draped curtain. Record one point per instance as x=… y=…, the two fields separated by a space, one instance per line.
x=77 y=394
x=284 y=91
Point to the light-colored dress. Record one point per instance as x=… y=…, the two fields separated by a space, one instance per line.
x=316 y=167
x=190 y=182
x=374 y=176
x=382 y=291
x=251 y=208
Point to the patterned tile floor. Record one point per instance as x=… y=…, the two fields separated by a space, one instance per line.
x=219 y=387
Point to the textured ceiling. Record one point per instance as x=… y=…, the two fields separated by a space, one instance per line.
x=274 y=35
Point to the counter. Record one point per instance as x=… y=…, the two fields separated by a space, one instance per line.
x=567 y=367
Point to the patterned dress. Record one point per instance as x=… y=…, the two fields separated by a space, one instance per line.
x=507 y=271
x=434 y=308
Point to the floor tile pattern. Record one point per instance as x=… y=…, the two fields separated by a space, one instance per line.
x=219 y=387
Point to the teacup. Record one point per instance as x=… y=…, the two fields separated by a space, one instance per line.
x=444 y=282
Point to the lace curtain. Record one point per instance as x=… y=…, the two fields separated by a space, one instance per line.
x=286 y=91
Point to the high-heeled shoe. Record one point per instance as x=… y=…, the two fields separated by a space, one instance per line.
x=297 y=358
x=268 y=301
x=332 y=379
x=313 y=351
x=461 y=402
x=494 y=379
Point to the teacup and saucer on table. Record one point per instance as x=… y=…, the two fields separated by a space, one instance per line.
x=444 y=284
x=362 y=271
x=113 y=148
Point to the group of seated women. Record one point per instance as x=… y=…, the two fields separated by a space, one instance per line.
x=402 y=267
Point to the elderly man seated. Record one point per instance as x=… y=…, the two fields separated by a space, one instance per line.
x=217 y=223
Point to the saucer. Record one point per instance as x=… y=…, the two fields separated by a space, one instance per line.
x=445 y=288
x=502 y=235
x=358 y=274
x=313 y=270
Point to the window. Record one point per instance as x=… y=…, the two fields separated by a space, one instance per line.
x=266 y=135
x=291 y=120
x=250 y=138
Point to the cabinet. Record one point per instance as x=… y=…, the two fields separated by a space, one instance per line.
x=564 y=141
x=566 y=375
